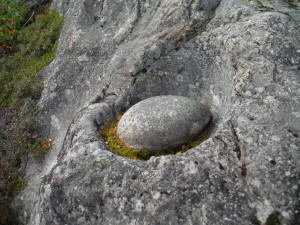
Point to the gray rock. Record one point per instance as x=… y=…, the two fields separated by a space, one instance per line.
x=162 y=123
x=240 y=60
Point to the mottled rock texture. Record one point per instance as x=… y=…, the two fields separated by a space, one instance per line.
x=162 y=123
x=240 y=59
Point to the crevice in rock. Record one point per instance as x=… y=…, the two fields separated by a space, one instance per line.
x=221 y=166
x=296 y=219
x=138 y=9
x=239 y=152
x=238 y=149
x=60 y=217
x=101 y=6
x=101 y=98
x=244 y=170
x=294 y=133
x=221 y=138
x=190 y=8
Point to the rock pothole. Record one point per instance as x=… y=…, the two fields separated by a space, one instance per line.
x=156 y=126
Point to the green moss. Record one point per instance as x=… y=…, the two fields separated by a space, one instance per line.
x=118 y=147
x=36 y=44
x=27 y=48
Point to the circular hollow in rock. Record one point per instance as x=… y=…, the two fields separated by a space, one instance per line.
x=162 y=123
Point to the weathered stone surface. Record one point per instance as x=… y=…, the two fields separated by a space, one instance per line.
x=162 y=122
x=240 y=60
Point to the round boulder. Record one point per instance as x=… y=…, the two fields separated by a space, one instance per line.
x=162 y=122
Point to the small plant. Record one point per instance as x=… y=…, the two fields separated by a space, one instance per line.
x=41 y=147
x=112 y=140
x=11 y=17
x=40 y=37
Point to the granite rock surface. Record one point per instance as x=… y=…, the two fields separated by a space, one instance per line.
x=239 y=58
x=162 y=123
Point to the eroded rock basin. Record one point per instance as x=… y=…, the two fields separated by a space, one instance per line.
x=162 y=122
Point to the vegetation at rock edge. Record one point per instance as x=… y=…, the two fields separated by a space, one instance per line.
x=28 y=38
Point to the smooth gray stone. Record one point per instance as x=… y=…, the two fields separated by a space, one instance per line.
x=162 y=122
